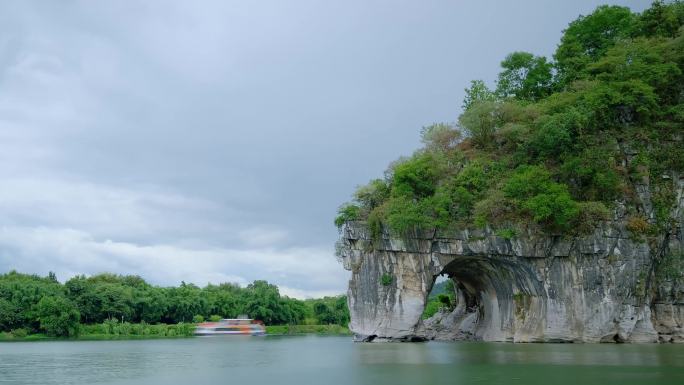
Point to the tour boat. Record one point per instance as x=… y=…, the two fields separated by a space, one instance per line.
x=231 y=326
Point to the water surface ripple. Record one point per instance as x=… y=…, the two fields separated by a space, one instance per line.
x=334 y=360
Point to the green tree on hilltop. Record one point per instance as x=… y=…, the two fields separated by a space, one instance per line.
x=589 y=37
x=525 y=77
x=477 y=92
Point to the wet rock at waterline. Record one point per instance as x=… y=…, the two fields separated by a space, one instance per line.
x=603 y=287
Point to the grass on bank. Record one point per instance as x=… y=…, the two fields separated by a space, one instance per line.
x=9 y=336
x=110 y=330
x=307 y=329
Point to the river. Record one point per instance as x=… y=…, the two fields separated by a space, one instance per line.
x=334 y=360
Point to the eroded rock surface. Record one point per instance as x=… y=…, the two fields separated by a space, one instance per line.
x=604 y=287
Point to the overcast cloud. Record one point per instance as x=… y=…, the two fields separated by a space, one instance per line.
x=213 y=141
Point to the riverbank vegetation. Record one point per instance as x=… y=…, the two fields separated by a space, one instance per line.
x=307 y=329
x=441 y=298
x=558 y=144
x=109 y=306
x=108 y=330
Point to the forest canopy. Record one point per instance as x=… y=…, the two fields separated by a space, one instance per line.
x=558 y=143
x=30 y=303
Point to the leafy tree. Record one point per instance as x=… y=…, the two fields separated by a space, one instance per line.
x=81 y=291
x=480 y=122
x=9 y=315
x=431 y=308
x=58 y=316
x=525 y=77
x=404 y=214
x=372 y=194
x=484 y=120
x=21 y=294
x=438 y=303
x=477 y=92
x=591 y=176
x=445 y=300
x=341 y=310
x=416 y=177
x=440 y=137
x=346 y=213
x=548 y=202
x=185 y=302
x=589 y=37
x=292 y=311
x=263 y=302
x=366 y=198
x=115 y=300
x=324 y=313
x=555 y=134
x=149 y=305
x=223 y=299
x=454 y=199
x=641 y=61
x=329 y=310
x=661 y=19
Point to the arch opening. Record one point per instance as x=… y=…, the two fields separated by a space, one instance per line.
x=491 y=295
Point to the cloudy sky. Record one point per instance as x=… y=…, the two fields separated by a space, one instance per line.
x=212 y=141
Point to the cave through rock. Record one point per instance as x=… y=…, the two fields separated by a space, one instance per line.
x=491 y=295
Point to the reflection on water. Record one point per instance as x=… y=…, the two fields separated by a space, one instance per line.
x=334 y=360
x=387 y=353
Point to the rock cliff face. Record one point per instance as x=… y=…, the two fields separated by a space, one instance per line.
x=609 y=286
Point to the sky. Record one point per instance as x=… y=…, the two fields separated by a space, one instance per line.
x=213 y=141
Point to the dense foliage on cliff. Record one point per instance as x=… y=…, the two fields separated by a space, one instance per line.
x=31 y=303
x=558 y=144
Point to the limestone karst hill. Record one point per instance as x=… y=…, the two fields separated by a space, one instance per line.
x=555 y=203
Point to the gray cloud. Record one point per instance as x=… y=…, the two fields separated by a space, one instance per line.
x=300 y=271
x=214 y=141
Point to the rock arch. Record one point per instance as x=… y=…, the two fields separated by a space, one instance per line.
x=498 y=298
x=531 y=289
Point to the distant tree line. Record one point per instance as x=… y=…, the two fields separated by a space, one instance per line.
x=42 y=304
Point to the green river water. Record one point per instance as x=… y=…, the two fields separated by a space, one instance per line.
x=334 y=360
